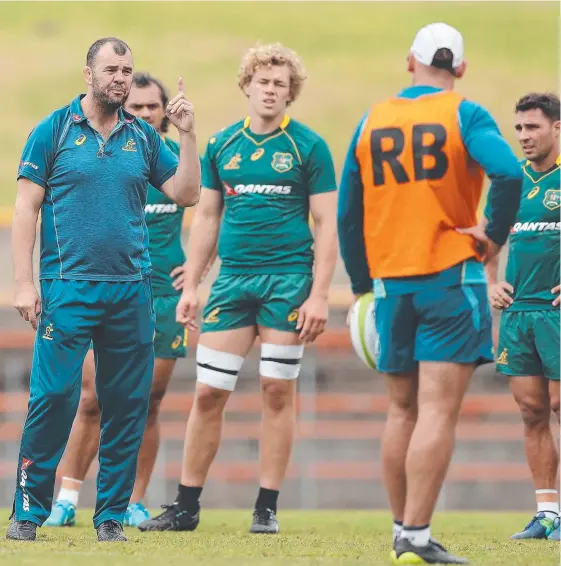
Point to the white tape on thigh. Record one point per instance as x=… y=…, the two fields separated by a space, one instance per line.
x=218 y=369
x=280 y=362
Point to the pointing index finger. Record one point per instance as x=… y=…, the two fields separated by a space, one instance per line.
x=180 y=86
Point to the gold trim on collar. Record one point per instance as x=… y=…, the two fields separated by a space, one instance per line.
x=283 y=124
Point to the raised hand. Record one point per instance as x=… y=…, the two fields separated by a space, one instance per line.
x=180 y=111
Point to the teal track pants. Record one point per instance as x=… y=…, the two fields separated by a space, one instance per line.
x=119 y=318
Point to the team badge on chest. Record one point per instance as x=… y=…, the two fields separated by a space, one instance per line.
x=552 y=199
x=282 y=162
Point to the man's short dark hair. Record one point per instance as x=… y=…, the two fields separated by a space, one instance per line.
x=547 y=102
x=119 y=47
x=143 y=80
x=444 y=59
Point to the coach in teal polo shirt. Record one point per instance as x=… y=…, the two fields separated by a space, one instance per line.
x=87 y=167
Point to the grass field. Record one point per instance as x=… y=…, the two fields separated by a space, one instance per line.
x=354 y=52
x=308 y=538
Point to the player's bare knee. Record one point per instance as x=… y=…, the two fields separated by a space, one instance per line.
x=405 y=410
x=403 y=396
x=534 y=413
x=404 y=404
x=210 y=400
x=154 y=404
x=277 y=394
x=440 y=416
x=89 y=407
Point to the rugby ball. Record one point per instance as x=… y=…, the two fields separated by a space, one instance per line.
x=363 y=330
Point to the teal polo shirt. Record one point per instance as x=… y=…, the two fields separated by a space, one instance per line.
x=92 y=217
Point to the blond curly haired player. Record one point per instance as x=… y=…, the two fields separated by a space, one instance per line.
x=262 y=177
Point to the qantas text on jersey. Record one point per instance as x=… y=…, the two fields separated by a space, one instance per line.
x=160 y=208
x=257 y=189
x=535 y=227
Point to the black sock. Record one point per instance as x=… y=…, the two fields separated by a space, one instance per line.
x=418 y=528
x=267 y=499
x=188 y=497
x=398 y=523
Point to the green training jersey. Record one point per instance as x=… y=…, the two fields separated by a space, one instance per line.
x=266 y=183
x=164 y=219
x=533 y=258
